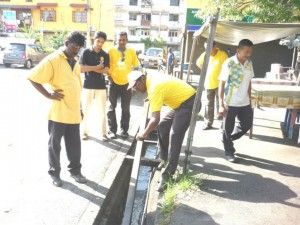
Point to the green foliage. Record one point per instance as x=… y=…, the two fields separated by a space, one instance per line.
x=180 y=184
x=158 y=42
x=29 y=33
x=275 y=11
x=58 y=39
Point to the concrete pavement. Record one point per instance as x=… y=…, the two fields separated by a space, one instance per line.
x=27 y=196
x=263 y=187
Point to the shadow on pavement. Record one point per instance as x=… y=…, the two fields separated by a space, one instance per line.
x=243 y=185
x=113 y=144
x=187 y=215
x=85 y=194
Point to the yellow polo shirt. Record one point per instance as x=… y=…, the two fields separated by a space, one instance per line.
x=168 y=90
x=56 y=71
x=119 y=69
x=213 y=69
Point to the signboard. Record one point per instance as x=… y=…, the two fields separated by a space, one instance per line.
x=190 y=17
x=9 y=15
x=193 y=23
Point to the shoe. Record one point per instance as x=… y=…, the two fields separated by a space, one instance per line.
x=207 y=127
x=79 y=178
x=56 y=181
x=162 y=164
x=124 y=134
x=85 y=136
x=230 y=158
x=163 y=182
x=112 y=135
x=104 y=138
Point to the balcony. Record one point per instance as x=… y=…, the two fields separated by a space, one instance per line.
x=145 y=22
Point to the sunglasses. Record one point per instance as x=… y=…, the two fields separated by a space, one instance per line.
x=123 y=57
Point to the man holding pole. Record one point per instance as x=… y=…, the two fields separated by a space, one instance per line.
x=179 y=97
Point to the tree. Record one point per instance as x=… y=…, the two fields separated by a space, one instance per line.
x=158 y=42
x=29 y=33
x=58 y=39
x=272 y=11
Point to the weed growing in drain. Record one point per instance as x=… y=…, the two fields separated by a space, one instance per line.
x=182 y=182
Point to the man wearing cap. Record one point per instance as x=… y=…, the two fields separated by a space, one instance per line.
x=179 y=97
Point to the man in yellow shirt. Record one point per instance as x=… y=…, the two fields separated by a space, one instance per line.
x=211 y=84
x=61 y=71
x=179 y=97
x=122 y=61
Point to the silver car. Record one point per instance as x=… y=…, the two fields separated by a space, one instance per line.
x=23 y=54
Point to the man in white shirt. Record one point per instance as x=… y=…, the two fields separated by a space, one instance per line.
x=235 y=94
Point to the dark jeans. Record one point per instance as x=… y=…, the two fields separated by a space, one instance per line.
x=245 y=116
x=115 y=91
x=211 y=95
x=171 y=131
x=170 y=69
x=71 y=135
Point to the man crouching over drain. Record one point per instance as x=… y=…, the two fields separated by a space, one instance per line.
x=179 y=97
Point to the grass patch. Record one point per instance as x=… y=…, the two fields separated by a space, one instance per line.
x=182 y=182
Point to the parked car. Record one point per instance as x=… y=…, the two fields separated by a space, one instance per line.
x=23 y=54
x=152 y=57
x=177 y=55
x=1 y=54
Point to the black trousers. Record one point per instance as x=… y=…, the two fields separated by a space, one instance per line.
x=115 y=91
x=245 y=116
x=71 y=135
x=171 y=130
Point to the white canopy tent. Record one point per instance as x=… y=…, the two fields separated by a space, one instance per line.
x=231 y=33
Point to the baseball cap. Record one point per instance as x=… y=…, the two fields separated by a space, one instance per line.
x=133 y=76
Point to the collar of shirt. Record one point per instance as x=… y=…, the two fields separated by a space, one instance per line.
x=235 y=59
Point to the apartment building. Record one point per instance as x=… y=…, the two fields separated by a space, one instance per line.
x=50 y=15
x=151 y=18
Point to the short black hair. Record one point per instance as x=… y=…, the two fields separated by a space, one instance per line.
x=76 y=37
x=100 y=34
x=245 y=43
x=123 y=33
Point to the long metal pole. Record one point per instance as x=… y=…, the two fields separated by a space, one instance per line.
x=197 y=103
x=196 y=36
x=183 y=45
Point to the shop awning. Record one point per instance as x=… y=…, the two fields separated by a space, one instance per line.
x=231 y=33
x=49 y=4
x=78 y=5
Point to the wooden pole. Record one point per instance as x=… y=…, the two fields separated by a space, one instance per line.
x=213 y=27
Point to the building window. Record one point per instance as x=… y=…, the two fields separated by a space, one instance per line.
x=48 y=15
x=173 y=33
x=145 y=32
x=174 y=2
x=146 y=17
x=79 y=17
x=133 y=2
x=174 y=17
x=132 y=32
x=132 y=16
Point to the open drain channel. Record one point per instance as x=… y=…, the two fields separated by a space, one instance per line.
x=126 y=201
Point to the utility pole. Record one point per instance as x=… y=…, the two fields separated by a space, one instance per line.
x=88 y=23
